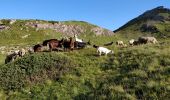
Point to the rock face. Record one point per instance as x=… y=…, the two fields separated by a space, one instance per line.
x=101 y=31
x=3 y=27
x=4 y=23
x=69 y=29
x=65 y=27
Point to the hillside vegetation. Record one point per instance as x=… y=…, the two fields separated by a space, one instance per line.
x=24 y=32
x=131 y=73
x=140 y=72
x=155 y=22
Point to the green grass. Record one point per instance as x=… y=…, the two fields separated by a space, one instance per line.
x=2 y=59
x=139 y=72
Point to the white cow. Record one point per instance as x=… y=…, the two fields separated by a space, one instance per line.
x=104 y=50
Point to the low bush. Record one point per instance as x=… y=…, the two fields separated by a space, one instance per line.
x=35 y=68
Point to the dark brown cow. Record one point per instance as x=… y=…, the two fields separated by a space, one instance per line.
x=81 y=45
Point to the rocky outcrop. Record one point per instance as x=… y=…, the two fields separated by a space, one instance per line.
x=101 y=31
x=3 y=27
x=68 y=29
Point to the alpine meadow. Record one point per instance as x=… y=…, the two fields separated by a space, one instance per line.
x=73 y=69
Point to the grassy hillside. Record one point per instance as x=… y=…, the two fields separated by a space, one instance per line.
x=24 y=32
x=155 y=22
x=131 y=73
x=17 y=30
x=140 y=72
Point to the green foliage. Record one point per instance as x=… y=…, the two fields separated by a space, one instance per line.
x=158 y=18
x=35 y=68
x=135 y=76
x=17 y=30
x=139 y=72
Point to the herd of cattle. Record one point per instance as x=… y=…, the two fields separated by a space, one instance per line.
x=72 y=43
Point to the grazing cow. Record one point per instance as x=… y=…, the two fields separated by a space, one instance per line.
x=144 y=40
x=104 y=50
x=119 y=43
x=81 y=44
x=68 y=44
x=108 y=44
x=77 y=39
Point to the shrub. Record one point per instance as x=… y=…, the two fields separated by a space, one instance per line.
x=35 y=68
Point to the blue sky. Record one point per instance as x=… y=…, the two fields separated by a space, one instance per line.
x=110 y=14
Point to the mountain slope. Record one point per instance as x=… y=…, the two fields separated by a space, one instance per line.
x=153 y=22
x=33 y=31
